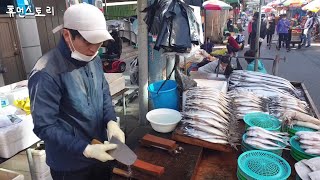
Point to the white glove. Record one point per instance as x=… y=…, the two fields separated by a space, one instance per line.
x=99 y=151
x=114 y=130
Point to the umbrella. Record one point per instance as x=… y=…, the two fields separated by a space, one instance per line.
x=267 y=9
x=295 y=3
x=274 y=3
x=313 y=6
x=216 y=5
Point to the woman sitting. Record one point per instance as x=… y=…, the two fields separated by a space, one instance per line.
x=251 y=62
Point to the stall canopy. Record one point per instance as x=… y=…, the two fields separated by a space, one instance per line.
x=313 y=6
x=232 y=1
x=216 y=5
x=295 y=3
x=268 y=9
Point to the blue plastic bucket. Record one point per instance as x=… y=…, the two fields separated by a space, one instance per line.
x=167 y=97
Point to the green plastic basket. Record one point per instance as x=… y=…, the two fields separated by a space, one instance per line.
x=296 y=128
x=258 y=164
x=240 y=176
x=248 y=147
x=295 y=146
x=262 y=120
x=296 y=156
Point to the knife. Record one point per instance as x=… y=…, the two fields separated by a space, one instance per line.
x=122 y=153
x=137 y=164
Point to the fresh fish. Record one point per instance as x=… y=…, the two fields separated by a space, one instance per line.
x=267 y=136
x=310 y=142
x=192 y=110
x=266 y=142
x=313 y=151
x=259 y=145
x=274 y=133
x=310 y=147
x=210 y=130
x=210 y=122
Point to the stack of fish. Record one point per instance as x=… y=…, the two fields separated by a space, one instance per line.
x=280 y=104
x=291 y=118
x=261 y=84
x=207 y=116
x=244 y=102
x=310 y=142
x=260 y=138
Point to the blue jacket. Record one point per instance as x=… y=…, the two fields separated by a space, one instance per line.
x=71 y=105
x=283 y=26
x=261 y=67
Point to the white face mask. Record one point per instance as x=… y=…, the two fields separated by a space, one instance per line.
x=79 y=56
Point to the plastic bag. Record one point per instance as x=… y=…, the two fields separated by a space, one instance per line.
x=134 y=71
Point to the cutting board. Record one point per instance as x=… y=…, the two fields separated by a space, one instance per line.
x=182 y=166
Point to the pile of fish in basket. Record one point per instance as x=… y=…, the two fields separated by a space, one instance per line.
x=213 y=116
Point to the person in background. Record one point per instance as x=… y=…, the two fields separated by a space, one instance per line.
x=263 y=31
x=271 y=27
x=215 y=66
x=70 y=99
x=232 y=44
x=249 y=30
x=251 y=62
x=208 y=45
x=283 y=32
x=230 y=26
x=308 y=27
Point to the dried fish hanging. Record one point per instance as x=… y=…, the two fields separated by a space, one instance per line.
x=244 y=102
x=207 y=117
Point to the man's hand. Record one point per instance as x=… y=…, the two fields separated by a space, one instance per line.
x=99 y=151
x=114 y=130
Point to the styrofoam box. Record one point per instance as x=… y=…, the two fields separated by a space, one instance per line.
x=110 y=77
x=18 y=90
x=20 y=164
x=117 y=85
x=10 y=175
x=16 y=94
x=17 y=137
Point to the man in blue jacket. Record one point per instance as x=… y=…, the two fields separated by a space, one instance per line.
x=70 y=99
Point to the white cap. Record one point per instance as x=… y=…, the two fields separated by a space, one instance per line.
x=88 y=20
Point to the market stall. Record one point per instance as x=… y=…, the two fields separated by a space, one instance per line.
x=219 y=127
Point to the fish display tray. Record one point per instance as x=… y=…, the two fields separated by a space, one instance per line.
x=178 y=135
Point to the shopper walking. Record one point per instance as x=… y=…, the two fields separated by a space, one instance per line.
x=308 y=27
x=271 y=27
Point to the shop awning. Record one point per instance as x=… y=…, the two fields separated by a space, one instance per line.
x=232 y=1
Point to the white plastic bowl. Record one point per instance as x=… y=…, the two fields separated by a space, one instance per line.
x=163 y=120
